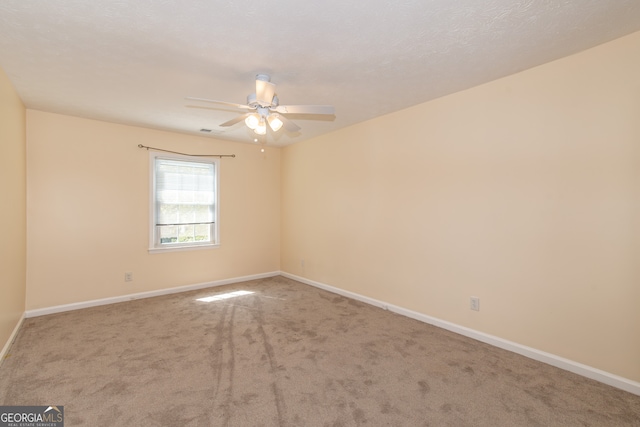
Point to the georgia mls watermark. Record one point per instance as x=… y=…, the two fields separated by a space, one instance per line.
x=31 y=416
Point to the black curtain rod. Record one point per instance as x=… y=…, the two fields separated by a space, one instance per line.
x=185 y=154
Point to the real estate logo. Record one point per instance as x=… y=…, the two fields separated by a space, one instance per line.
x=31 y=416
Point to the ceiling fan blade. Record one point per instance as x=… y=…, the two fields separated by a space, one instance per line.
x=234 y=120
x=264 y=90
x=230 y=104
x=306 y=109
x=289 y=125
x=202 y=107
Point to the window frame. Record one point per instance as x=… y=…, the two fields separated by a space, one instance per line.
x=185 y=246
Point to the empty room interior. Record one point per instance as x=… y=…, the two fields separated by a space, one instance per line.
x=472 y=168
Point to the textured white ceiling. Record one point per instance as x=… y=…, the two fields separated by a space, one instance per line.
x=133 y=62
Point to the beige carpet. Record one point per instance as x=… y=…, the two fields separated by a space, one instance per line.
x=286 y=355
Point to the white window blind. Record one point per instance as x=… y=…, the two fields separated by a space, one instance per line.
x=184 y=202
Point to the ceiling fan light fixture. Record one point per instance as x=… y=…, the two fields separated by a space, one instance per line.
x=261 y=129
x=252 y=121
x=274 y=122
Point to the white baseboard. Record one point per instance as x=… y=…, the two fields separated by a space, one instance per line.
x=149 y=294
x=532 y=353
x=12 y=337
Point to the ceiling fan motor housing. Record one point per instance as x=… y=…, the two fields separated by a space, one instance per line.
x=252 y=101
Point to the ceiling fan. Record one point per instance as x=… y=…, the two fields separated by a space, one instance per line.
x=264 y=109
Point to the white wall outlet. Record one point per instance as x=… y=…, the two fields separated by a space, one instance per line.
x=128 y=277
x=302 y=263
x=475 y=304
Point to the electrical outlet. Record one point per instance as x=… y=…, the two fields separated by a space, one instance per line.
x=128 y=277
x=475 y=303
x=302 y=263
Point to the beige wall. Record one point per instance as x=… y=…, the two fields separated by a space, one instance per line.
x=88 y=212
x=13 y=209
x=524 y=192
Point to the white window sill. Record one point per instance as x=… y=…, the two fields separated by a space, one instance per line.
x=178 y=248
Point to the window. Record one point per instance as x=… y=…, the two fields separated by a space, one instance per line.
x=184 y=202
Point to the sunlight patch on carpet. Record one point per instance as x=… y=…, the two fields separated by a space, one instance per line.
x=225 y=296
